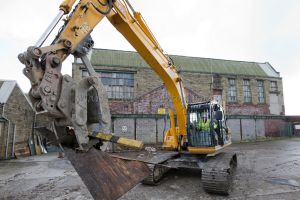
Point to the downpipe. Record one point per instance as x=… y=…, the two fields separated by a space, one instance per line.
x=7 y=135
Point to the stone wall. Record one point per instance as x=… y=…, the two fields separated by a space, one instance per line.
x=150 y=94
x=146 y=83
x=21 y=116
x=273 y=127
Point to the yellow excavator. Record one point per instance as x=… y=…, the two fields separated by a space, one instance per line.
x=198 y=132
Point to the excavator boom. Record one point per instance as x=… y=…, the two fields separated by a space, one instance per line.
x=51 y=90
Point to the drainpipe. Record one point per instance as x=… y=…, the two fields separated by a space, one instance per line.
x=33 y=132
x=1 y=130
x=7 y=138
x=13 y=142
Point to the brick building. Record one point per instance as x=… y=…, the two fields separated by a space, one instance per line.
x=245 y=88
x=16 y=119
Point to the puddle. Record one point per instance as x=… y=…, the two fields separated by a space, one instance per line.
x=280 y=181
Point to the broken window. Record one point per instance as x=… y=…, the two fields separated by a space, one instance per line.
x=232 y=90
x=247 y=91
x=118 y=85
x=261 y=91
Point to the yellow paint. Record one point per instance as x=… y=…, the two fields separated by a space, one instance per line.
x=104 y=136
x=131 y=143
x=134 y=28
x=207 y=150
x=171 y=137
x=66 y=5
x=161 y=111
x=122 y=140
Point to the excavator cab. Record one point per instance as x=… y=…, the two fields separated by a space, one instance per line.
x=207 y=134
x=206 y=126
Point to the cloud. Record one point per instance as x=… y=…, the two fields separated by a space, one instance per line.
x=250 y=30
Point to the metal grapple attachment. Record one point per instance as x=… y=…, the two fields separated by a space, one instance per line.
x=82 y=105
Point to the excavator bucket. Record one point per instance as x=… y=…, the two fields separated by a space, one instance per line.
x=107 y=177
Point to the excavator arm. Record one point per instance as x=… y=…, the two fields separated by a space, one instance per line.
x=51 y=91
x=135 y=30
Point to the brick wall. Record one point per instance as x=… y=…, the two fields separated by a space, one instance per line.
x=297 y=132
x=150 y=94
x=273 y=127
x=200 y=84
x=247 y=109
x=150 y=102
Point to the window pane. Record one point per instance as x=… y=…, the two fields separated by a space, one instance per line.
x=105 y=74
x=231 y=90
x=274 y=86
x=106 y=81
x=261 y=92
x=247 y=91
x=119 y=85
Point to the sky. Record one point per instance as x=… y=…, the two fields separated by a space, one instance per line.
x=246 y=30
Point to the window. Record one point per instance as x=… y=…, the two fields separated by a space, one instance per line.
x=118 y=85
x=231 y=90
x=261 y=91
x=273 y=86
x=247 y=91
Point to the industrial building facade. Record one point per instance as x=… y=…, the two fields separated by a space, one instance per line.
x=245 y=88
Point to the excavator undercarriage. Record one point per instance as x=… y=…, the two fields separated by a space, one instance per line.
x=216 y=171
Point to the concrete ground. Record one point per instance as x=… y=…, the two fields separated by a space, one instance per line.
x=266 y=170
x=41 y=177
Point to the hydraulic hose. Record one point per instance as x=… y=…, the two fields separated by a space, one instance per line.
x=108 y=2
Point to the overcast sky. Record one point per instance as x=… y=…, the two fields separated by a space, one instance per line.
x=247 y=30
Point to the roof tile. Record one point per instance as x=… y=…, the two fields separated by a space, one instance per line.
x=105 y=57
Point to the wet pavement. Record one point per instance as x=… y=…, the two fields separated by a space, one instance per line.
x=266 y=170
x=41 y=177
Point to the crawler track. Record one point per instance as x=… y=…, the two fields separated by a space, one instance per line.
x=156 y=173
x=217 y=173
x=157 y=168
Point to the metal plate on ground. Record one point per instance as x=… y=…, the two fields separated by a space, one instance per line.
x=160 y=158
x=107 y=177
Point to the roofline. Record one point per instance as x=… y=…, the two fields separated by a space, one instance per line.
x=179 y=71
x=273 y=68
x=28 y=100
x=190 y=57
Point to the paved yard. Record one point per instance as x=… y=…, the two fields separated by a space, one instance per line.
x=266 y=170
